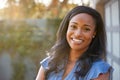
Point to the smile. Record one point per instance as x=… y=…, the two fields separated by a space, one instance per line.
x=77 y=41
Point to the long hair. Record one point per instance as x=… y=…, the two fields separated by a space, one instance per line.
x=60 y=51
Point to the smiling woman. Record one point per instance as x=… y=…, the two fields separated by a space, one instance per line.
x=78 y=53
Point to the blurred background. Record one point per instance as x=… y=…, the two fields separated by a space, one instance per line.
x=28 y=30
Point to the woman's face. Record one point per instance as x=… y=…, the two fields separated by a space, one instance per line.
x=80 y=32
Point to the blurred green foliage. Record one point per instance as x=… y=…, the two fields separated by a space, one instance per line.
x=25 y=38
x=22 y=40
x=32 y=9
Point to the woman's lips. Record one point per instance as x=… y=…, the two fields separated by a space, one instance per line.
x=77 y=41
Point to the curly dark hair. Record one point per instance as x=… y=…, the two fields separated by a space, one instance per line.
x=60 y=51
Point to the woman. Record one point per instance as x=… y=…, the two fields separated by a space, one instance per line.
x=79 y=50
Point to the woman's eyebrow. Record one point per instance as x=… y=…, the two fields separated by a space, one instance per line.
x=86 y=24
x=74 y=22
x=89 y=25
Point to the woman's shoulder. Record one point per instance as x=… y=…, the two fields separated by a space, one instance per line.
x=99 y=67
x=100 y=64
x=44 y=62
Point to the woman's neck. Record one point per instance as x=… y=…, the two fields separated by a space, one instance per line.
x=74 y=55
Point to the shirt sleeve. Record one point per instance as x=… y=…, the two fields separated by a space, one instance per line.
x=98 y=68
x=44 y=63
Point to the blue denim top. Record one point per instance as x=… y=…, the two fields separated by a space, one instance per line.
x=98 y=67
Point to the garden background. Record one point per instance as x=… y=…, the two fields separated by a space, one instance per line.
x=27 y=31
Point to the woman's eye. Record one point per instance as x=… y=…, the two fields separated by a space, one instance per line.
x=86 y=29
x=73 y=26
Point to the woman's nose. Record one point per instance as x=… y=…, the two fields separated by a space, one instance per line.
x=78 y=32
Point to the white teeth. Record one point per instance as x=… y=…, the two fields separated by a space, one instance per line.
x=77 y=40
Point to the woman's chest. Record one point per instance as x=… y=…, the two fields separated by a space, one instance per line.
x=66 y=74
x=68 y=69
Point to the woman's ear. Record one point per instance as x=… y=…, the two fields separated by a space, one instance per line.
x=94 y=34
